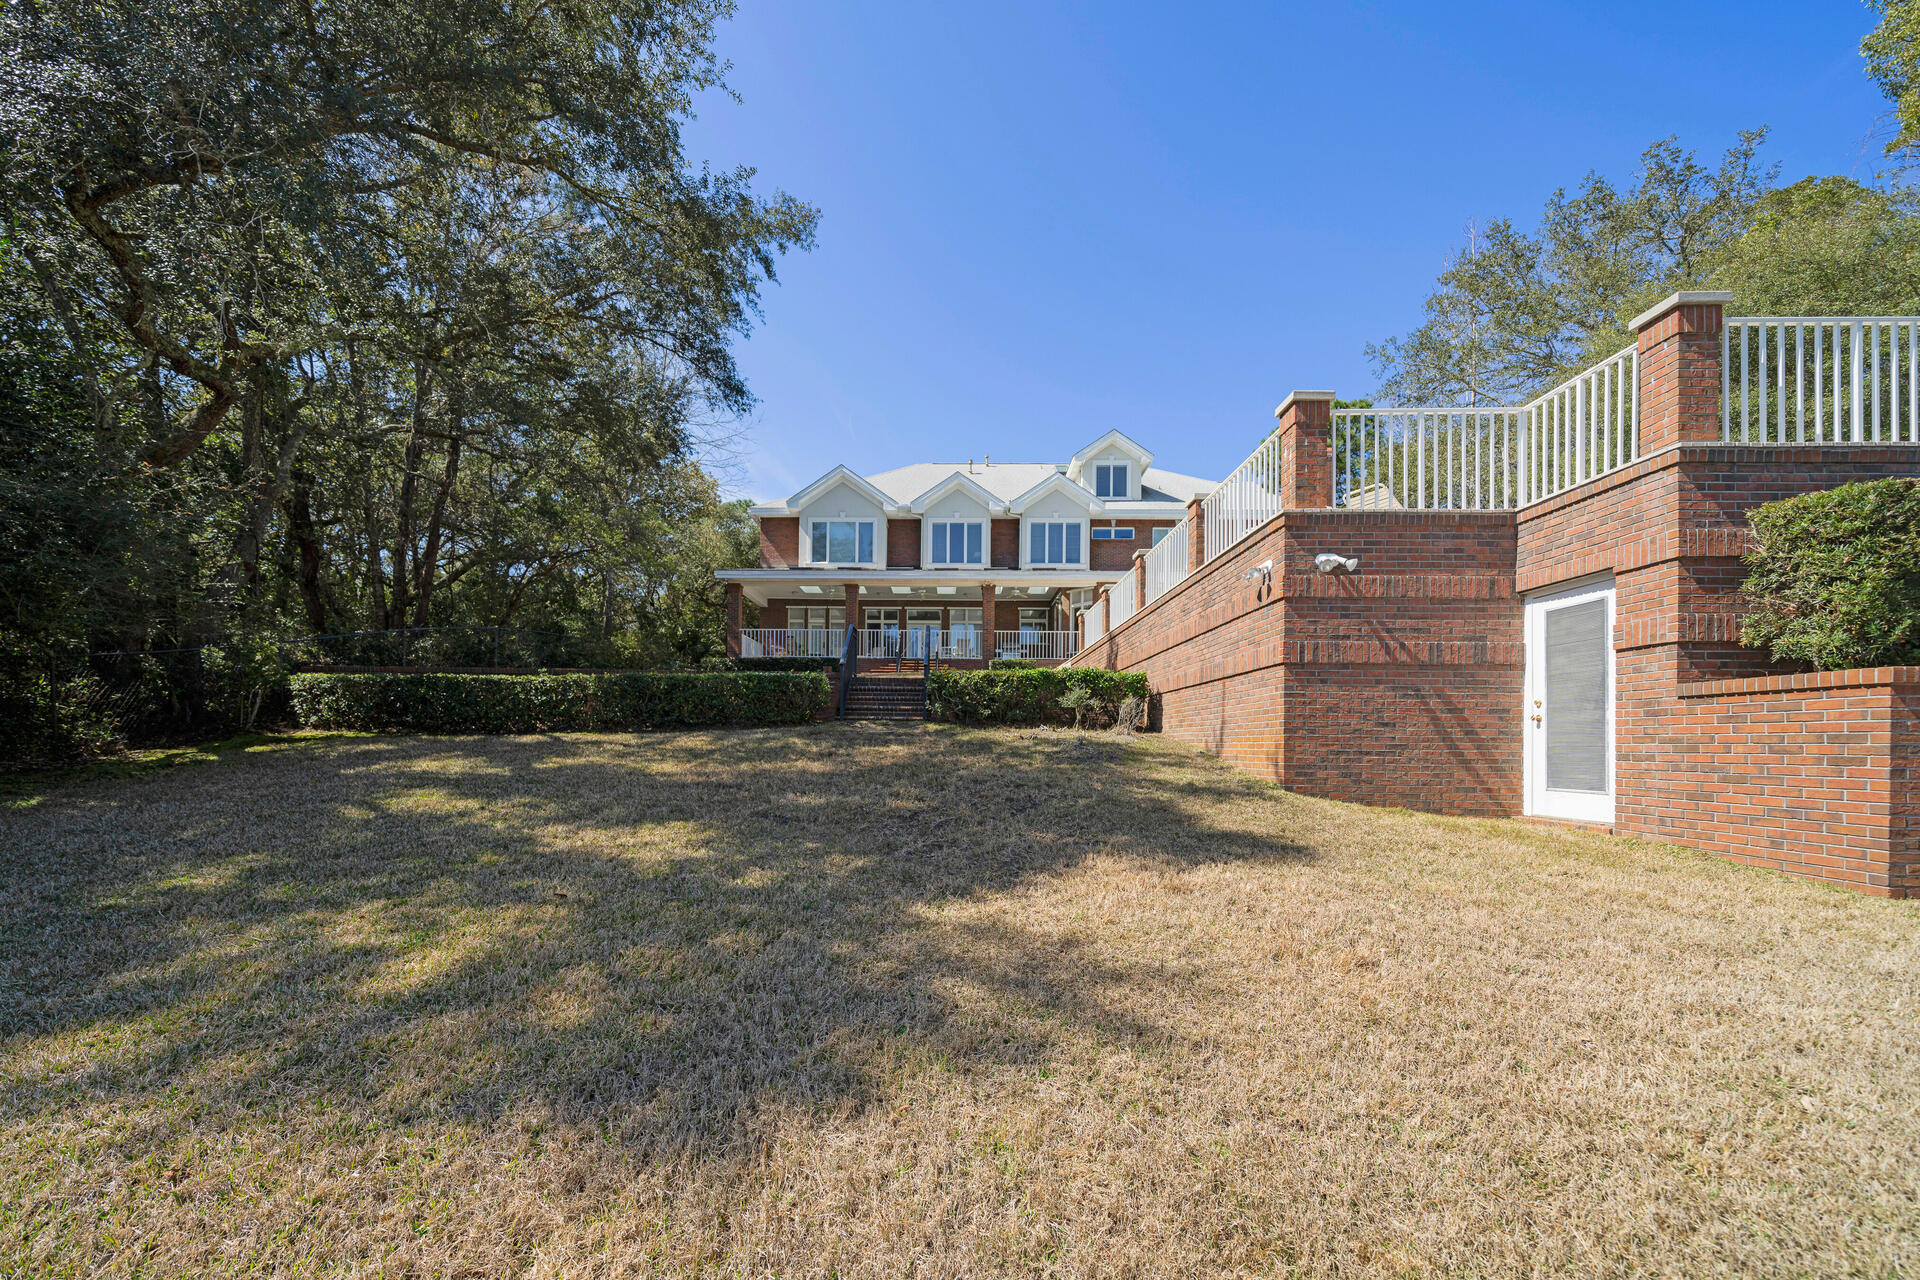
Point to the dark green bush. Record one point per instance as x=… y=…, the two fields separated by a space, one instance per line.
x=614 y=700
x=1029 y=696
x=771 y=664
x=1013 y=664
x=1836 y=576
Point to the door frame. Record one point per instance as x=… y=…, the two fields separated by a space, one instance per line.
x=1572 y=806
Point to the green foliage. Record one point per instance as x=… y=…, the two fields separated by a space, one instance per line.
x=1837 y=576
x=1516 y=311
x=1826 y=246
x=611 y=701
x=773 y=664
x=1892 y=50
x=1013 y=664
x=1038 y=696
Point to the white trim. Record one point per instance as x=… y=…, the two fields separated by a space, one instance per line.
x=1538 y=801
x=1112 y=441
x=1077 y=492
x=841 y=474
x=973 y=489
x=878 y=541
x=1026 y=544
x=1684 y=298
x=1295 y=397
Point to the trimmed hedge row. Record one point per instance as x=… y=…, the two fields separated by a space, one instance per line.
x=613 y=700
x=773 y=664
x=1028 y=696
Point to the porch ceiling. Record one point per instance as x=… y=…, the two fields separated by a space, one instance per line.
x=907 y=585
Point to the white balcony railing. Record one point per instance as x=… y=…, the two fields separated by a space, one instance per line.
x=1167 y=563
x=1122 y=602
x=1818 y=379
x=1041 y=646
x=791 y=642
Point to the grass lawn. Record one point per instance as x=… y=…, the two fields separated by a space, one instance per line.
x=866 y=1000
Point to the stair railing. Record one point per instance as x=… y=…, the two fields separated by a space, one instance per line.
x=926 y=653
x=849 y=659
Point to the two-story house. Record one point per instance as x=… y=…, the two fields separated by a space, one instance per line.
x=976 y=560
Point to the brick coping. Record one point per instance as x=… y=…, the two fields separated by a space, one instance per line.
x=1853 y=678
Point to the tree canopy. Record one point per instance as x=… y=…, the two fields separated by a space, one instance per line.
x=368 y=315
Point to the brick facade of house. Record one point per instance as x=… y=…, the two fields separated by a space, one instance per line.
x=1402 y=683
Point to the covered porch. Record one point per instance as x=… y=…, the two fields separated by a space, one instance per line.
x=904 y=617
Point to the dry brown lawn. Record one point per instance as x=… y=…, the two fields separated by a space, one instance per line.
x=887 y=1001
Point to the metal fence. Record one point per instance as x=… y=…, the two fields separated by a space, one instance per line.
x=1815 y=379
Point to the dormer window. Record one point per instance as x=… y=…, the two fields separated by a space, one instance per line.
x=957 y=541
x=1110 y=480
x=843 y=542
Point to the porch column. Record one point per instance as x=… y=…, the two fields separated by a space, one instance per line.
x=1139 y=580
x=853 y=616
x=1106 y=614
x=1306 y=450
x=1680 y=368
x=733 y=594
x=986 y=620
x=1196 y=535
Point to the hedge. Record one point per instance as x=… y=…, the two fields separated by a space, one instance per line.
x=773 y=664
x=1836 y=576
x=1028 y=696
x=613 y=700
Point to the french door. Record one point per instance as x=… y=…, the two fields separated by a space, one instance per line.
x=1569 y=704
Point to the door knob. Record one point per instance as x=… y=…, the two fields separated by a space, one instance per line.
x=1536 y=717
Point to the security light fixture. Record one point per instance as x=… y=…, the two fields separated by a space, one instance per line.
x=1262 y=570
x=1330 y=563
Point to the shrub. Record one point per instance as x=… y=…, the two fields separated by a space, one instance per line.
x=614 y=700
x=1013 y=664
x=771 y=664
x=1030 y=696
x=1836 y=576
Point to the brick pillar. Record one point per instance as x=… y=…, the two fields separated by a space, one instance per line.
x=1196 y=535
x=1306 y=450
x=1680 y=369
x=986 y=619
x=733 y=594
x=1139 y=579
x=853 y=614
x=1106 y=614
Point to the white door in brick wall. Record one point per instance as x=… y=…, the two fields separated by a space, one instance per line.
x=1568 y=720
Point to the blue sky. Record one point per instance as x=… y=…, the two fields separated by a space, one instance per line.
x=1041 y=221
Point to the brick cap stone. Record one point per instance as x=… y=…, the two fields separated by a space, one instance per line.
x=1684 y=298
x=1293 y=396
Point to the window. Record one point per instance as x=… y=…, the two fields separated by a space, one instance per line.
x=843 y=541
x=1053 y=542
x=1110 y=480
x=817 y=617
x=1113 y=533
x=956 y=542
x=1035 y=618
x=1160 y=533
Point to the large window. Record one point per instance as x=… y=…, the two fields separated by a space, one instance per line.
x=956 y=542
x=843 y=542
x=1053 y=542
x=1110 y=480
x=817 y=617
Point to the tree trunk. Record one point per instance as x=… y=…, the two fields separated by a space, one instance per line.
x=370 y=519
x=403 y=512
x=299 y=509
x=430 y=556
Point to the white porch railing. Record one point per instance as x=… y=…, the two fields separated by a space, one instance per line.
x=1041 y=646
x=909 y=643
x=790 y=642
x=1095 y=626
x=1814 y=379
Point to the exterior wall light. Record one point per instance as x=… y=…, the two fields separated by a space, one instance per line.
x=1330 y=563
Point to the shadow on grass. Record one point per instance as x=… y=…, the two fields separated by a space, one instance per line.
x=653 y=936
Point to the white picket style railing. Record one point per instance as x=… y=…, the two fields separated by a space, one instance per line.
x=1486 y=458
x=1167 y=563
x=1095 y=623
x=1243 y=501
x=1819 y=379
x=1122 y=602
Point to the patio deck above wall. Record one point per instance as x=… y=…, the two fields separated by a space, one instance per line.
x=1400 y=682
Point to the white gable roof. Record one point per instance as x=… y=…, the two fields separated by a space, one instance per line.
x=846 y=475
x=1112 y=442
x=963 y=483
x=1056 y=483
